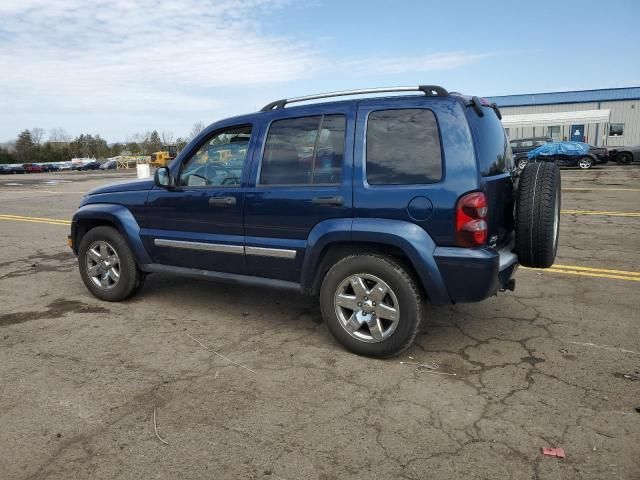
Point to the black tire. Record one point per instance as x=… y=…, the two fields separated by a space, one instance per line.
x=585 y=163
x=538 y=215
x=130 y=279
x=624 y=158
x=405 y=289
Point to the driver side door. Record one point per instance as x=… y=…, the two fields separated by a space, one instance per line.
x=198 y=223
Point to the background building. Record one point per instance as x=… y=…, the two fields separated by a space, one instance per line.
x=605 y=117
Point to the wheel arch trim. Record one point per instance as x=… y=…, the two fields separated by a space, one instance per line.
x=413 y=241
x=118 y=216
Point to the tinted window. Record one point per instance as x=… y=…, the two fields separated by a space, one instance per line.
x=219 y=161
x=494 y=153
x=554 y=132
x=616 y=129
x=304 y=151
x=403 y=147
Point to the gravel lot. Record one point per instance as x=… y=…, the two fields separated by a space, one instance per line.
x=555 y=363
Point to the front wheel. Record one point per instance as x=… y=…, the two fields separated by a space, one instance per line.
x=372 y=305
x=107 y=265
x=585 y=163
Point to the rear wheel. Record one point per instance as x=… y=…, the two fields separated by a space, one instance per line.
x=372 y=305
x=107 y=265
x=624 y=158
x=585 y=162
x=538 y=215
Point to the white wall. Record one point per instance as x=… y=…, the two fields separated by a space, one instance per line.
x=625 y=111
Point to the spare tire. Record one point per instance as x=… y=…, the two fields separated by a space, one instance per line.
x=538 y=214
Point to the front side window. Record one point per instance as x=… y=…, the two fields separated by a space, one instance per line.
x=616 y=129
x=304 y=151
x=219 y=162
x=403 y=147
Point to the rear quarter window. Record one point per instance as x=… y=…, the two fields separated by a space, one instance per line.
x=403 y=147
x=494 y=152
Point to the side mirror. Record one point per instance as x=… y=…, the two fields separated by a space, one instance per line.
x=162 y=177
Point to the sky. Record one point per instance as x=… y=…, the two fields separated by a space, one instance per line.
x=119 y=67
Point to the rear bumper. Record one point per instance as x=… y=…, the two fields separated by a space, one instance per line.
x=471 y=275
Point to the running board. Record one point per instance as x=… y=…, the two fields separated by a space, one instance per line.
x=220 y=276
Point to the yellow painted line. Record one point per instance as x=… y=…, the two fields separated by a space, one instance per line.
x=598 y=212
x=601 y=189
x=593 y=274
x=630 y=276
x=20 y=218
x=598 y=270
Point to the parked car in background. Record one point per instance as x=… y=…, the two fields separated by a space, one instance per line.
x=32 y=168
x=65 y=166
x=109 y=165
x=49 y=167
x=12 y=168
x=350 y=201
x=522 y=146
x=89 y=166
x=625 y=155
x=569 y=154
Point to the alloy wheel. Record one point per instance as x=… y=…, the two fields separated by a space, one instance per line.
x=367 y=308
x=103 y=265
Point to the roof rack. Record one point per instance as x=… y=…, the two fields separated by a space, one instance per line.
x=429 y=90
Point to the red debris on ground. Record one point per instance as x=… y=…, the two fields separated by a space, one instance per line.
x=553 y=452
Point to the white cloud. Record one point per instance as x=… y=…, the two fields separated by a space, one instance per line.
x=136 y=59
x=425 y=63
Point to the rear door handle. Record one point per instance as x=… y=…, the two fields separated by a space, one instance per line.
x=222 y=201
x=335 y=201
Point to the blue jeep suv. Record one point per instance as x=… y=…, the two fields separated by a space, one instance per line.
x=375 y=205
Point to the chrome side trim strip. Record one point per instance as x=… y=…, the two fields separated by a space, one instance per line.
x=270 y=252
x=209 y=247
x=222 y=248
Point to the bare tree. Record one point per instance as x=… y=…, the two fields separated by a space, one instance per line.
x=196 y=129
x=36 y=135
x=167 y=138
x=59 y=135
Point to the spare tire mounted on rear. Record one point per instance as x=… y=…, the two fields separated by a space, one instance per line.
x=538 y=214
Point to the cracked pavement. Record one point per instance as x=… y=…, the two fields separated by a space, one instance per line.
x=542 y=366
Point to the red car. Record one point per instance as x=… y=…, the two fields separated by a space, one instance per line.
x=31 y=168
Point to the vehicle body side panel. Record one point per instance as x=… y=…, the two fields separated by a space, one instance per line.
x=459 y=169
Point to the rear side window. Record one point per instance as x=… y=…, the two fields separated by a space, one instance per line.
x=304 y=151
x=494 y=152
x=403 y=147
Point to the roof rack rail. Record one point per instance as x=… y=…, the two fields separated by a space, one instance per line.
x=429 y=90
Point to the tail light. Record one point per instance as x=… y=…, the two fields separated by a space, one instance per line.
x=471 y=223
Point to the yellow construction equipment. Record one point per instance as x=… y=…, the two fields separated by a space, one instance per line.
x=163 y=157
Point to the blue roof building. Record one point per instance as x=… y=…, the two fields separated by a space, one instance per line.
x=579 y=96
x=564 y=115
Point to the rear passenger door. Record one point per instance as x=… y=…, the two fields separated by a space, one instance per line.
x=301 y=178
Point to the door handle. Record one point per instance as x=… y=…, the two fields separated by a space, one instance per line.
x=335 y=201
x=222 y=201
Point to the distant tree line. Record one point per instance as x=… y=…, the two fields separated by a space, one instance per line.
x=31 y=147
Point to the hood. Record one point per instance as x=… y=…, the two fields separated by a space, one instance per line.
x=126 y=186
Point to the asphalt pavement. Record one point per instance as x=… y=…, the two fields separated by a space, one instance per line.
x=203 y=380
